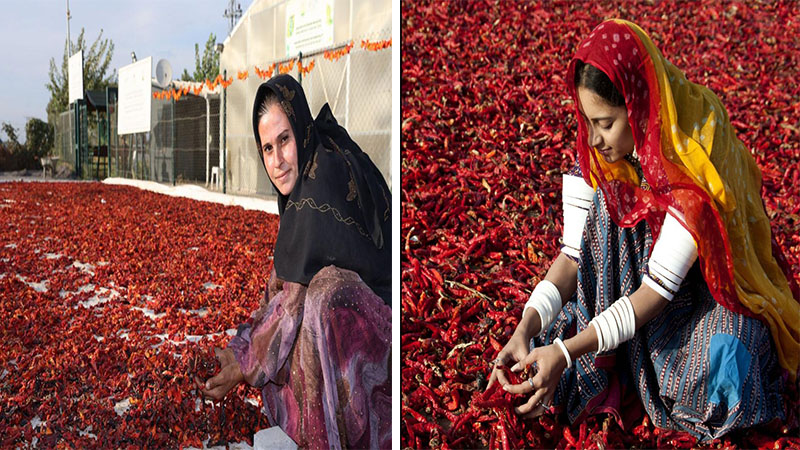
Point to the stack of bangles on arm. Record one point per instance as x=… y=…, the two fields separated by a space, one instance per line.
x=576 y=198
x=614 y=325
x=673 y=254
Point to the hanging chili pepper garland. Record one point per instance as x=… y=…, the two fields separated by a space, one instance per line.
x=265 y=74
x=287 y=67
x=334 y=55
x=304 y=70
x=375 y=46
x=211 y=85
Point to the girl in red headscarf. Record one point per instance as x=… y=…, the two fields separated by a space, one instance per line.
x=668 y=287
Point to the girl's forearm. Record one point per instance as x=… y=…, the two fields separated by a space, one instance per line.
x=646 y=302
x=563 y=273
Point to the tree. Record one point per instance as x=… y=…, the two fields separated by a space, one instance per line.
x=96 y=63
x=13 y=154
x=207 y=67
x=38 y=137
x=11 y=133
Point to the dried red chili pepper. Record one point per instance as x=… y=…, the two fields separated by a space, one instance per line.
x=75 y=347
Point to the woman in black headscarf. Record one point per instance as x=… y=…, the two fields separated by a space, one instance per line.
x=319 y=344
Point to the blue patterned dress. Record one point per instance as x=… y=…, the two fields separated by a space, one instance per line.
x=696 y=367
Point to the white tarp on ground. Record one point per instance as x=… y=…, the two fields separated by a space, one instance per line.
x=273 y=438
x=199 y=193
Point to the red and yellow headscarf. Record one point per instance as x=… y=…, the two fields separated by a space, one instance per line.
x=693 y=162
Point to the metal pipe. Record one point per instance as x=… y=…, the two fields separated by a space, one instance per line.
x=76 y=138
x=347 y=93
x=108 y=137
x=172 y=144
x=69 y=40
x=224 y=134
x=208 y=137
x=97 y=152
x=116 y=134
x=300 y=72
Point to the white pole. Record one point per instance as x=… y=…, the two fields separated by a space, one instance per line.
x=208 y=137
x=222 y=136
x=347 y=93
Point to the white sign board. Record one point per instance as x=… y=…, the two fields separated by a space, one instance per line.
x=134 y=97
x=75 y=75
x=309 y=25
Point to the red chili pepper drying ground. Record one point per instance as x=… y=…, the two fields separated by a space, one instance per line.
x=487 y=129
x=112 y=300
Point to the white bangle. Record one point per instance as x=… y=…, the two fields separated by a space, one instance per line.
x=615 y=325
x=564 y=349
x=576 y=198
x=673 y=255
x=599 y=335
x=546 y=300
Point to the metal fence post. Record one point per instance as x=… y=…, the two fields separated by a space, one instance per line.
x=76 y=138
x=300 y=71
x=97 y=154
x=108 y=136
x=224 y=134
x=208 y=138
x=172 y=144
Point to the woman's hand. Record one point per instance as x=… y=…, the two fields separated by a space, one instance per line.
x=228 y=377
x=514 y=351
x=550 y=363
x=517 y=347
x=225 y=356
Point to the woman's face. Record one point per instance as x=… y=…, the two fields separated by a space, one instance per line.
x=608 y=128
x=279 y=149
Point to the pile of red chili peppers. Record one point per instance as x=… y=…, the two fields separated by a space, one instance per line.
x=112 y=300
x=488 y=128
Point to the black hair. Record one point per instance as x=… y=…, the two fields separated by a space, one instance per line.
x=270 y=99
x=594 y=79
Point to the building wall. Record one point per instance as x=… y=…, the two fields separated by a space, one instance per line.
x=360 y=99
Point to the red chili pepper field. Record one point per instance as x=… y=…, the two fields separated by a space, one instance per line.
x=487 y=130
x=111 y=300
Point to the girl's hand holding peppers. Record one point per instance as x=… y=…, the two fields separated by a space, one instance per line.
x=545 y=366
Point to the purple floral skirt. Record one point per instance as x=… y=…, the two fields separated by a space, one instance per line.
x=320 y=355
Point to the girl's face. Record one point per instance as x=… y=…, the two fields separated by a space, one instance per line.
x=608 y=128
x=279 y=149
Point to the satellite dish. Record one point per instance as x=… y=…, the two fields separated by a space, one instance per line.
x=163 y=73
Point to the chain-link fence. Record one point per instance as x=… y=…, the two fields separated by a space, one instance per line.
x=64 y=138
x=358 y=88
x=181 y=147
x=196 y=127
x=82 y=147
